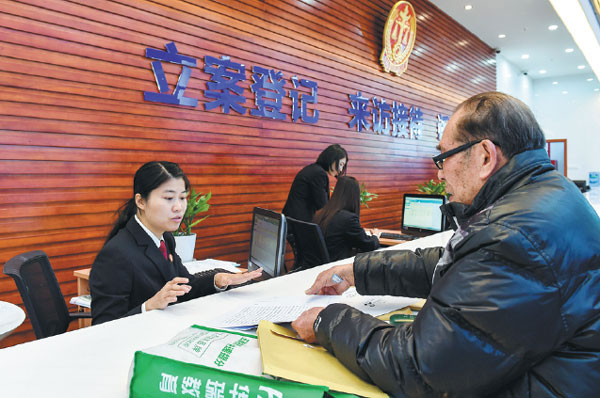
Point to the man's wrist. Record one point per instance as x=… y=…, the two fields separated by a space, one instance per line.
x=323 y=322
x=349 y=274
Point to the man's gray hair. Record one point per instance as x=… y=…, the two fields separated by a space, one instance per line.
x=503 y=119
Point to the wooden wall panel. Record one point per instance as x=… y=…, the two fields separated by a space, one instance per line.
x=74 y=126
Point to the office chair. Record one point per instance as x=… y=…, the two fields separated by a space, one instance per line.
x=310 y=249
x=41 y=294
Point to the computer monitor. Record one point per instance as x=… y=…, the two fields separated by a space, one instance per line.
x=267 y=242
x=421 y=214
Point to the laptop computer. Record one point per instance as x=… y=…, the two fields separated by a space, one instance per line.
x=267 y=242
x=421 y=216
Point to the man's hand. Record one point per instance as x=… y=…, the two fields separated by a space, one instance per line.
x=327 y=283
x=168 y=294
x=222 y=280
x=304 y=324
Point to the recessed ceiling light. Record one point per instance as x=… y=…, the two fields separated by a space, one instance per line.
x=565 y=92
x=501 y=36
x=581 y=67
x=555 y=83
x=552 y=27
x=597 y=89
x=590 y=79
x=569 y=50
x=525 y=56
x=542 y=71
x=575 y=20
x=468 y=7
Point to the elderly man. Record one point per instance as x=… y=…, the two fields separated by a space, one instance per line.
x=513 y=301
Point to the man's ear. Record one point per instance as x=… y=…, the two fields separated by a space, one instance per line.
x=140 y=202
x=491 y=159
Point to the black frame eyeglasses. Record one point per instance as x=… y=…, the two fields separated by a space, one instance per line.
x=439 y=159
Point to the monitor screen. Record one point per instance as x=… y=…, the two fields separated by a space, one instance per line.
x=267 y=242
x=421 y=213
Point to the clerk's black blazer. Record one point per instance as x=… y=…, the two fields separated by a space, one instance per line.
x=344 y=234
x=309 y=192
x=130 y=269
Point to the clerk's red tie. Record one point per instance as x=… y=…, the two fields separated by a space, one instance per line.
x=163 y=248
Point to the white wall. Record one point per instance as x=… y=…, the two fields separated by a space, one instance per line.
x=574 y=116
x=512 y=81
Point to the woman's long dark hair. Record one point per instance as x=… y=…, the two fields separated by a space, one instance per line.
x=346 y=196
x=147 y=178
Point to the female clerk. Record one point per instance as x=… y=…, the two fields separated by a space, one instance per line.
x=310 y=189
x=138 y=270
x=340 y=222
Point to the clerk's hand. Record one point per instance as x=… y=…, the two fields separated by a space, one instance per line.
x=222 y=279
x=326 y=283
x=305 y=323
x=372 y=232
x=168 y=294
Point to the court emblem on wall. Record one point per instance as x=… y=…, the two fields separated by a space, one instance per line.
x=399 y=37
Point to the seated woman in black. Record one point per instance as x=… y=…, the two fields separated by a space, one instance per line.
x=310 y=189
x=340 y=223
x=138 y=269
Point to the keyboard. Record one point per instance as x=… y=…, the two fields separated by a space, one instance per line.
x=210 y=272
x=395 y=236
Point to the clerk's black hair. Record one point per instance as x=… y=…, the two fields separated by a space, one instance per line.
x=333 y=154
x=147 y=178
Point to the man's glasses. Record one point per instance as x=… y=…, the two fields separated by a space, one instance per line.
x=439 y=159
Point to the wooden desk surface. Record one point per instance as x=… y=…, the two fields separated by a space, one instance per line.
x=82 y=273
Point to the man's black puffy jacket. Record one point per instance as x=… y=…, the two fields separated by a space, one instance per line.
x=514 y=306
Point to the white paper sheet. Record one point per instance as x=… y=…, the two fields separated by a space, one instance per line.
x=82 y=301
x=287 y=309
x=208 y=264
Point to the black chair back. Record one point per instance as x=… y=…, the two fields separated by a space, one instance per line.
x=310 y=249
x=41 y=294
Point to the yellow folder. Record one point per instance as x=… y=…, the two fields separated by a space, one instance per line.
x=285 y=356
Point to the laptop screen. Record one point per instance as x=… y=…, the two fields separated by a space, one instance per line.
x=267 y=242
x=421 y=213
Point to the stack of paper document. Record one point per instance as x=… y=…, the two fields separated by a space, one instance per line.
x=82 y=301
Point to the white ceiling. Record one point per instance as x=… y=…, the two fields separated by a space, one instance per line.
x=525 y=24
